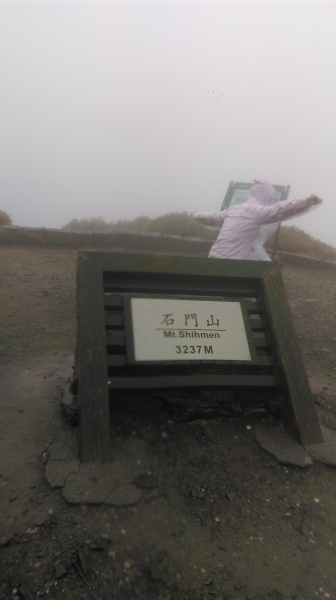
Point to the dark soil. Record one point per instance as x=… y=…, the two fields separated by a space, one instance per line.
x=219 y=517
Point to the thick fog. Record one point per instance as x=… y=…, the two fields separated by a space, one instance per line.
x=120 y=109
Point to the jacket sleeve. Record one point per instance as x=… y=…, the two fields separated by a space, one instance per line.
x=210 y=218
x=282 y=210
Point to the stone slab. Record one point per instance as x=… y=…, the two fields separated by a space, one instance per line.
x=124 y=495
x=112 y=482
x=65 y=446
x=279 y=443
x=57 y=471
x=326 y=452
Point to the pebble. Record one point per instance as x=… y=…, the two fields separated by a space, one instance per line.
x=96 y=547
x=5 y=539
x=304 y=529
x=13 y=497
x=60 y=570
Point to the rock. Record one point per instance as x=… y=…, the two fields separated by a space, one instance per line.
x=303 y=547
x=209 y=435
x=230 y=496
x=5 y=539
x=60 y=570
x=282 y=446
x=13 y=497
x=96 y=547
x=325 y=452
x=304 y=530
x=69 y=406
x=124 y=495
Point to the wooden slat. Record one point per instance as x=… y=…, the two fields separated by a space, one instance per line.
x=262 y=342
x=181 y=288
x=254 y=308
x=116 y=360
x=115 y=338
x=119 y=360
x=116 y=319
x=173 y=381
x=257 y=324
x=265 y=361
x=156 y=264
x=112 y=300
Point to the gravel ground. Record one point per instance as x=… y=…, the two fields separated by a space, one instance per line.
x=218 y=516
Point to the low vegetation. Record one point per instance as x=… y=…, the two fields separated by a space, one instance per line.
x=4 y=218
x=294 y=240
x=171 y=224
x=291 y=239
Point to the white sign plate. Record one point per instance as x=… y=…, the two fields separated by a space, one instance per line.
x=169 y=329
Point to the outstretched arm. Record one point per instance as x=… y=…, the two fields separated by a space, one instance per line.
x=283 y=210
x=214 y=219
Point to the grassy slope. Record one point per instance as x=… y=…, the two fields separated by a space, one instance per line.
x=291 y=239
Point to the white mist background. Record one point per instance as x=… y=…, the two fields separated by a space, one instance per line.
x=118 y=109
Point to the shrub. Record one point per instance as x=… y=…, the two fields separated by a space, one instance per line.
x=4 y=218
x=291 y=239
x=294 y=240
x=94 y=224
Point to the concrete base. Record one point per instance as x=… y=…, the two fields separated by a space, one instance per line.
x=326 y=452
x=97 y=484
x=281 y=445
x=276 y=441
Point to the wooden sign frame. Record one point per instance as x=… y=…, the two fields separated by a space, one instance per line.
x=281 y=191
x=104 y=279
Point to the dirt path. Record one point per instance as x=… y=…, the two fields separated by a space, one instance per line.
x=218 y=518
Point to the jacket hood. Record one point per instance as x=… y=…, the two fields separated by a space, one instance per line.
x=263 y=191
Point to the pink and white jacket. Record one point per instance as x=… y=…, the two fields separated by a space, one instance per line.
x=240 y=224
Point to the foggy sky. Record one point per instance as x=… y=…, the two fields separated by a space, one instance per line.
x=120 y=109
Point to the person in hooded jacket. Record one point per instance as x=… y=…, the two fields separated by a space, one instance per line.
x=240 y=224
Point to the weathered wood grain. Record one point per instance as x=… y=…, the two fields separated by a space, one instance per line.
x=301 y=417
x=172 y=381
x=94 y=421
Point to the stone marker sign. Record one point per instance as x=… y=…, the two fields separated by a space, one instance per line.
x=149 y=322
x=169 y=329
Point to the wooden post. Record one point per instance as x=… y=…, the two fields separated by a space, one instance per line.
x=276 y=239
x=94 y=423
x=300 y=414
